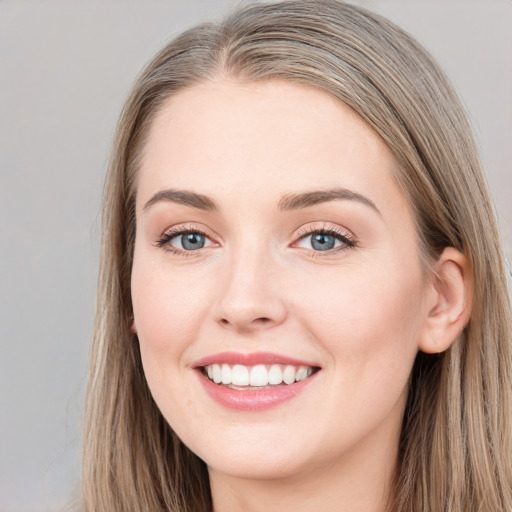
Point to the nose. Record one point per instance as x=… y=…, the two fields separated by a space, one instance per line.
x=251 y=298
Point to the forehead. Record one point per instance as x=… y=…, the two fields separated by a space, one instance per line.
x=270 y=138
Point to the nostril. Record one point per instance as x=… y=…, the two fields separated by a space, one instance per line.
x=261 y=320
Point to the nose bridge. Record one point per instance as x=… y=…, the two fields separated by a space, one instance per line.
x=249 y=297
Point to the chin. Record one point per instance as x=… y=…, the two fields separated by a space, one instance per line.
x=261 y=467
x=269 y=457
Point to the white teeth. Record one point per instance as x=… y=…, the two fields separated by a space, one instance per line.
x=226 y=374
x=302 y=373
x=240 y=375
x=289 y=374
x=275 y=375
x=257 y=376
x=217 y=374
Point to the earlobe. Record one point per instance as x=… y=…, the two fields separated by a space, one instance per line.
x=133 y=327
x=449 y=306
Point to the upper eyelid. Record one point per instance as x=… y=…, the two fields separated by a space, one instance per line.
x=174 y=231
x=324 y=227
x=305 y=230
x=345 y=236
x=187 y=228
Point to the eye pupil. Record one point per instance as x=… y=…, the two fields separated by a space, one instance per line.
x=322 y=241
x=191 y=241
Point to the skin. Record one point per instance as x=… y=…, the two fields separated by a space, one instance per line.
x=360 y=313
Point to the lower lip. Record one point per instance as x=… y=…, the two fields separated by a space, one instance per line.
x=255 y=399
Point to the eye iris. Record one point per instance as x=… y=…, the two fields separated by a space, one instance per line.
x=322 y=241
x=191 y=241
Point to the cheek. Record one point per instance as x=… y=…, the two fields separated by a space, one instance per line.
x=369 y=322
x=368 y=326
x=167 y=316
x=167 y=312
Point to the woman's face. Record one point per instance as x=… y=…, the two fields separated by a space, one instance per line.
x=273 y=243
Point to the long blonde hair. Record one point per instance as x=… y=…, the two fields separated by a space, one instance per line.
x=456 y=444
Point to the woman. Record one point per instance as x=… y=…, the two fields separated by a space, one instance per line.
x=302 y=298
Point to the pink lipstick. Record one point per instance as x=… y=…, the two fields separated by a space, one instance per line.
x=253 y=381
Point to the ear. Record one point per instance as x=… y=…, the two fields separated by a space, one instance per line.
x=133 y=327
x=448 y=302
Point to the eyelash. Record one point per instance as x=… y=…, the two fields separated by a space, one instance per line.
x=347 y=241
x=163 y=241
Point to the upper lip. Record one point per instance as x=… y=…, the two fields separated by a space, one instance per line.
x=251 y=359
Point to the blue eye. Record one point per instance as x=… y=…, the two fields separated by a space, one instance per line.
x=191 y=241
x=324 y=240
x=182 y=241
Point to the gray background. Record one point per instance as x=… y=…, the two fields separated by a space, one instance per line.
x=65 y=68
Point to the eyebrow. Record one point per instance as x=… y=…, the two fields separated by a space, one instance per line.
x=303 y=200
x=183 y=197
x=287 y=202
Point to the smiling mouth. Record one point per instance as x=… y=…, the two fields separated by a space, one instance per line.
x=260 y=376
